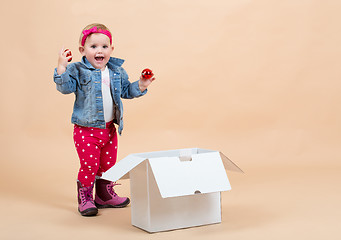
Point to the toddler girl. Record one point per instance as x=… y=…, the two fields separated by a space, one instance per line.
x=98 y=82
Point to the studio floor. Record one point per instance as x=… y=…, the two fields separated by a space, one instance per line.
x=266 y=202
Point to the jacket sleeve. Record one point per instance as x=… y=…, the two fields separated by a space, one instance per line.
x=130 y=90
x=65 y=83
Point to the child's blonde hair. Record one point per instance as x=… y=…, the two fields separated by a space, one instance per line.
x=98 y=25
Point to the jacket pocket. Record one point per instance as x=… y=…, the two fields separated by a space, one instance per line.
x=85 y=79
x=85 y=83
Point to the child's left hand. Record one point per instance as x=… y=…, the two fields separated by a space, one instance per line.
x=144 y=83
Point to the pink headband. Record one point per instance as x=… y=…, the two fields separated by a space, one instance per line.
x=94 y=29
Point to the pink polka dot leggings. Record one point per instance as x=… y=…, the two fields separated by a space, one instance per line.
x=97 y=151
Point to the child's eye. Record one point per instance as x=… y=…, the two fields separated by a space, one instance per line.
x=93 y=46
x=105 y=46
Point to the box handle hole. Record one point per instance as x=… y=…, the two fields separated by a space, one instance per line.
x=185 y=158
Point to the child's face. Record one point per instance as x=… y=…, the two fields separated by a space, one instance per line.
x=97 y=50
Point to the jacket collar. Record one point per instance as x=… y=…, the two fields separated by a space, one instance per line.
x=112 y=64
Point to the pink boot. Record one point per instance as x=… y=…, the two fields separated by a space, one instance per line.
x=106 y=196
x=86 y=205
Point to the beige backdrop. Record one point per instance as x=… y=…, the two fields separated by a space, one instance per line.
x=257 y=80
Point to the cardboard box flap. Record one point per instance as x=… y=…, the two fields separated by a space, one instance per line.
x=229 y=165
x=122 y=168
x=189 y=174
x=131 y=161
x=172 y=153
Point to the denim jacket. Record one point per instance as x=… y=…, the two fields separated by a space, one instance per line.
x=84 y=80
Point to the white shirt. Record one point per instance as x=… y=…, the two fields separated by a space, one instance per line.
x=108 y=104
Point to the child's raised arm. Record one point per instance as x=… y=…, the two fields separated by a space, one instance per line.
x=65 y=83
x=64 y=57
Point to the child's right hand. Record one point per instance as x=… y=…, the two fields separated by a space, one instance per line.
x=63 y=60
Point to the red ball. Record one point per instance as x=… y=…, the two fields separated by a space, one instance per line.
x=68 y=54
x=147 y=73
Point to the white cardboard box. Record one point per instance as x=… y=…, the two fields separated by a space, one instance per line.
x=174 y=189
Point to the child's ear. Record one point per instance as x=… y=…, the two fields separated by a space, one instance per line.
x=111 y=48
x=81 y=50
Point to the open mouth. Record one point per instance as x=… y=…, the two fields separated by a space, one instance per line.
x=99 y=58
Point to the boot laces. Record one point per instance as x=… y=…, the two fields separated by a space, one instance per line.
x=111 y=188
x=86 y=194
